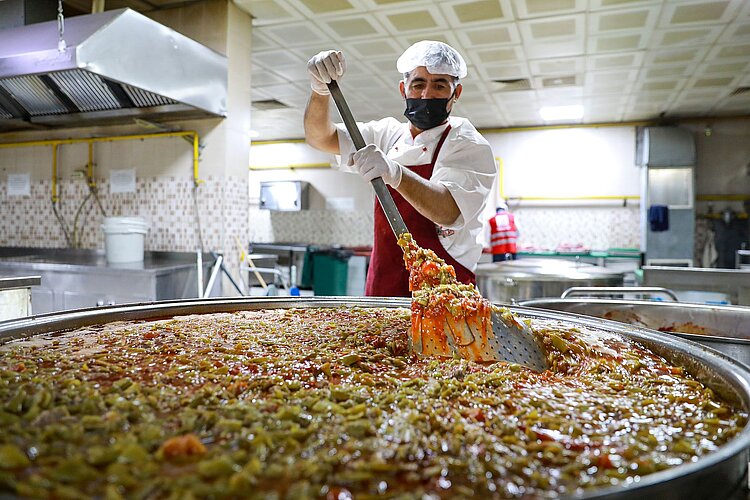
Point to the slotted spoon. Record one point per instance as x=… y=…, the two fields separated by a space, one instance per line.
x=484 y=335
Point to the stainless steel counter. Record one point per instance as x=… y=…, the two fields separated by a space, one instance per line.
x=15 y=296
x=733 y=282
x=76 y=278
x=19 y=282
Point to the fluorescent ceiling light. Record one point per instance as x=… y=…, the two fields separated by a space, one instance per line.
x=253 y=134
x=556 y=113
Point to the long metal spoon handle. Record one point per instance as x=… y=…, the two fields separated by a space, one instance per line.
x=381 y=191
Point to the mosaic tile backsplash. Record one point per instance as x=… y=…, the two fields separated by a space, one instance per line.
x=317 y=227
x=168 y=204
x=542 y=228
x=596 y=228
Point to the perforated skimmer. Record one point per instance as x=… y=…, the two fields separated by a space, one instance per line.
x=485 y=333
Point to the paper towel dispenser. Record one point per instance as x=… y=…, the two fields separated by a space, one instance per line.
x=662 y=147
x=284 y=195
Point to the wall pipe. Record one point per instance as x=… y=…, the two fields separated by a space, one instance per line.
x=189 y=134
x=54 y=173
x=291 y=166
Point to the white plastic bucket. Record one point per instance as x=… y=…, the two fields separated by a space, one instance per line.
x=123 y=238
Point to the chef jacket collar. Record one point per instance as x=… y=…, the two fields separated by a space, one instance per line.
x=427 y=136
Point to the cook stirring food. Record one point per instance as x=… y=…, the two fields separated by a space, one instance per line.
x=439 y=169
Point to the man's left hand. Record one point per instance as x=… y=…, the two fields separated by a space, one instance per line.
x=371 y=163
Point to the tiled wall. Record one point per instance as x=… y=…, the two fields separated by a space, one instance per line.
x=167 y=203
x=318 y=227
x=597 y=228
x=542 y=228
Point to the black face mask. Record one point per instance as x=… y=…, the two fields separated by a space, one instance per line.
x=427 y=113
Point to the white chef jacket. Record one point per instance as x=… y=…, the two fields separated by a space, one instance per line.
x=465 y=166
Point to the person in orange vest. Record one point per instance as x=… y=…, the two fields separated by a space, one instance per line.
x=503 y=234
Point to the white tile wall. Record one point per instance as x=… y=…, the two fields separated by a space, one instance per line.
x=597 y=228
x=167 y=203
x=319 y=227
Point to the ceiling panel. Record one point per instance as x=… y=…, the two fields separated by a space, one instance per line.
x=622 y=59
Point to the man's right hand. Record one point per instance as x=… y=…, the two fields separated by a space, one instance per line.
x=323 y=67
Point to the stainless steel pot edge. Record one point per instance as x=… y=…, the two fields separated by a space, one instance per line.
x=540 y=303
x=79 y=318
x=726 y=376
x=728 y=465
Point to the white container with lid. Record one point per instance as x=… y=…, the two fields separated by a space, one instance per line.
x=124 y=238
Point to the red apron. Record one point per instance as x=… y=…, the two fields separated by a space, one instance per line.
x=387 y=275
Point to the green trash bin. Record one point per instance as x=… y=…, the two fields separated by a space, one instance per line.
x=330 y=271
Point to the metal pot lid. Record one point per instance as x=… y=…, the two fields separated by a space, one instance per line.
x=547 y=269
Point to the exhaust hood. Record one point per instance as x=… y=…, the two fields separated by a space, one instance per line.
x=118 y=66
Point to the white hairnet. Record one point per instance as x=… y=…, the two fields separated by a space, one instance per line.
x=439 y=58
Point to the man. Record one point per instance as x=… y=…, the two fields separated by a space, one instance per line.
x=439 y=169
x=503 y=234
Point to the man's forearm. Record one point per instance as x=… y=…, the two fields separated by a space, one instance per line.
x=320 y=132
x=431 y=199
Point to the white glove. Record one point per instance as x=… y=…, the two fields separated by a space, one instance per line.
x=323 y=67
x=371 y=162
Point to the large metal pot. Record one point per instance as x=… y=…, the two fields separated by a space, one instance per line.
x=724 y=328
x=516 y=280
x=721 y=474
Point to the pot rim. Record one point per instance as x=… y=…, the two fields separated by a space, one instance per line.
x=706 y=364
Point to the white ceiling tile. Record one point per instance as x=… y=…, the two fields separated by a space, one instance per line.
x=717 y=82
x=258 y=93
x=597 y=5
x=722 y=68
x=556 y=66
x=414 y=19
x=733 y=52
x=559 y=82
x=624 y=59
x=734 y=104
x=462 y=14
x=263 y=78
x=497 y=55
x=496 y=34
x=266 y=12
x=377 y=47
x=614 y=61
x=273 y=58
x=687 y=56
x=352 y=27
x=515 y=100
x=324 y=8
x=736 y=32
x=559 y=37
x=698 y=12
x=292 y=73
x=634 y=19
x=260 y=42
x=299 y=34
x=526 y=9
x=626 y=42
x=562 y=96
x=503 y=72
x=694 y=36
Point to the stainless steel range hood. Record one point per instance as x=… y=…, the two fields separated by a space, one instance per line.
x=118 y=65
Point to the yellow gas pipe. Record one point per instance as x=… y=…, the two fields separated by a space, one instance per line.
x=189 y=134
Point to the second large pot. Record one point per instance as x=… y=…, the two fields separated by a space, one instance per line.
x=724 y=328
x=516 y=280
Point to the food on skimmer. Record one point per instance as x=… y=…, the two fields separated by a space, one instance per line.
x=327 y=402
x=441 y=303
